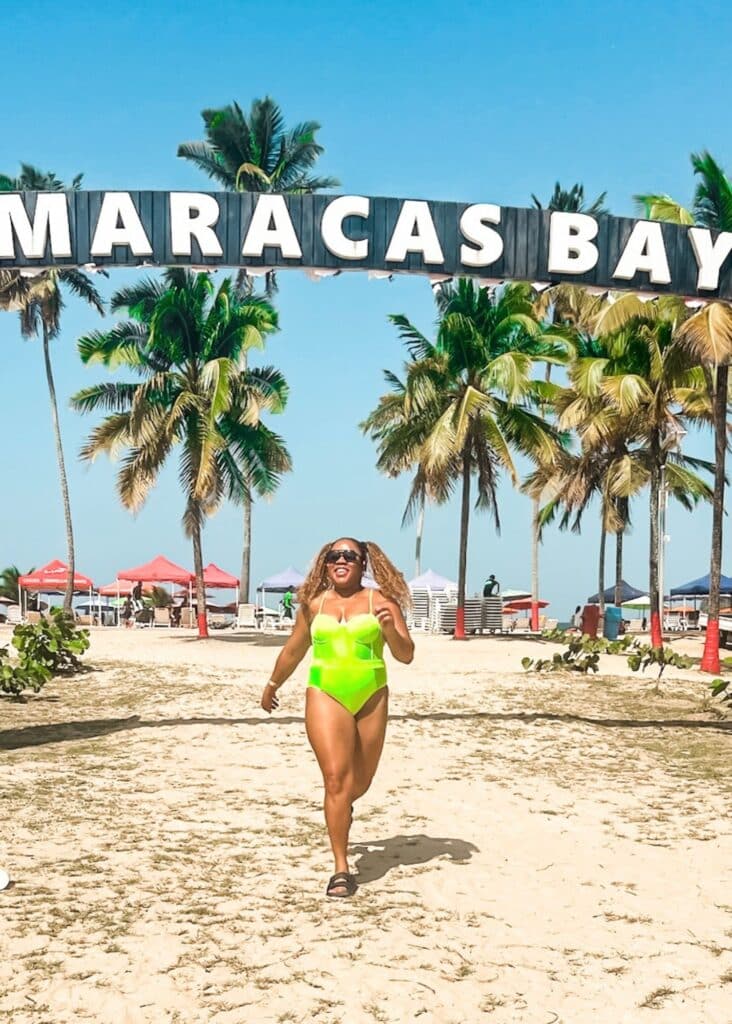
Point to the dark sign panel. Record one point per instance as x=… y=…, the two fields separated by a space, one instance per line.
x=329 y=234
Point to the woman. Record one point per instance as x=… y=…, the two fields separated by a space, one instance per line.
x=347 y=696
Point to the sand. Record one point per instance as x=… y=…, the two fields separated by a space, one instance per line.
x=534 y=849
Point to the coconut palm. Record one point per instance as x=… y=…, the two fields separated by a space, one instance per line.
x=9 y=584
x=708 y=335
x=186 y=340
x=39 y=301
x=572 y=201
x=469 y=401
x=255 y=152
x=650 y=379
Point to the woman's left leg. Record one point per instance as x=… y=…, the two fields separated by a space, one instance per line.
x=370 y=733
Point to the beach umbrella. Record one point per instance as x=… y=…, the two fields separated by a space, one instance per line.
x=700 y=587
x=514 y=595
x=627 y=593
x=522 y=604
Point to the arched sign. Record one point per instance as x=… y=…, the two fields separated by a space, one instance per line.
x=327 y=234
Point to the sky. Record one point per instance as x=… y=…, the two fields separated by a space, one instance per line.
x=474 y=102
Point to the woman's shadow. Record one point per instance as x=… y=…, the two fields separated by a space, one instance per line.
x=374 y=859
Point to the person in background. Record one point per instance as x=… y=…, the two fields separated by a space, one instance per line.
x=127 y=612
x=577 y=618
x=491 y=586
x=137 y=596
x=287 y=600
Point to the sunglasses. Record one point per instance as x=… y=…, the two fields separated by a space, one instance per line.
x=345 y=553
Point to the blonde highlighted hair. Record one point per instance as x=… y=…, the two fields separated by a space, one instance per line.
x=391 y=582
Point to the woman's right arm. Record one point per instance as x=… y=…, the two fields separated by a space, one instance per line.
x=288 y=659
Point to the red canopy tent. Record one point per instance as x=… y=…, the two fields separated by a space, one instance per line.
x=121 y=588
x=159 y=570
x=217 y=579
x=53 y=577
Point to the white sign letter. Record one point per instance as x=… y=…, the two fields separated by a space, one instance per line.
x=331 y=227
x=51 y=219
x=194 y=215
x=414 y=214
x=271 y=225
x=570 y=243
x=709 y=257
x=119 y=224
x=474 y=226
x=644 y=251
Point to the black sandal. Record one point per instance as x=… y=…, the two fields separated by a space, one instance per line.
x=342 y=880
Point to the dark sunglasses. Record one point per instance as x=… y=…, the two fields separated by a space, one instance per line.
x=349 y=556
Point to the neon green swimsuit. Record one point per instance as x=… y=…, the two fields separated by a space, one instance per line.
x=347 y=657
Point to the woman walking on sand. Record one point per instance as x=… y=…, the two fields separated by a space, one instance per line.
x=347 y=696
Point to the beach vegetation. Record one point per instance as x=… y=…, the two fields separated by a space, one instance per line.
x=39 y=301
x=707 y=334
x=45 y=649
x=468 y=401
x=256 y=152
x=186 y=340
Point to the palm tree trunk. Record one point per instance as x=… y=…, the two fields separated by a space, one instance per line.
x=710 y=658
x=70 y=559
x=463 y=556
x=656 y=624
x=619 y=537
x=200 y=586
x=535 y=566
x=246 y=551
x=601 y=568
x=418 y=542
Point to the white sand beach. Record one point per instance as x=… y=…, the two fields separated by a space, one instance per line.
x=533 y=849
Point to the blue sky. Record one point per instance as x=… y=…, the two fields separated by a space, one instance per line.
x=470 y=101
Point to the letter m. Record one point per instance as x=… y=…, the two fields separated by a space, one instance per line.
x=50 y=220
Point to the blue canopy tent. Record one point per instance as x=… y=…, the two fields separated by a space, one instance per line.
x=627 y=593
x=700 y=587
x=281 y=582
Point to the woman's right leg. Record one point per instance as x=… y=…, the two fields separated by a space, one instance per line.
x=331 y=730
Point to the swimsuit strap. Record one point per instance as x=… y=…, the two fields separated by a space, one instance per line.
x=371 y=601
x=320 y=606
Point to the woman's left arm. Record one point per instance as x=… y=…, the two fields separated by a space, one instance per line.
x=395 y=629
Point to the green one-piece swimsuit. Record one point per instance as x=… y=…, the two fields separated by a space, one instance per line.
x=348 y=661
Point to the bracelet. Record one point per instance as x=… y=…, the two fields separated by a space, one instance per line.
x=274 y=686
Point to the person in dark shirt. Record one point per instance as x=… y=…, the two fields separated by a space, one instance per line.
x=491 y=586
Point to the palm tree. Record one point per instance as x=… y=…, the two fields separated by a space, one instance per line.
x=572 y=201
x=708 y=335
x=470 y=395
x=255 y=152
x=391 y=419
x=39 y=301
x=9 y=582
x=572 y=308
x=186 y=341
x=650 y=379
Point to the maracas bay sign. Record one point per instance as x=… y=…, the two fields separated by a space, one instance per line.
x=326 y=234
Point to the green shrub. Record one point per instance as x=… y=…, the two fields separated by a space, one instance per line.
x=47 y=648
x=583 y=654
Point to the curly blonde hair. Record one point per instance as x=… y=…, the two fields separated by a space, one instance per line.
x=391 y=582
